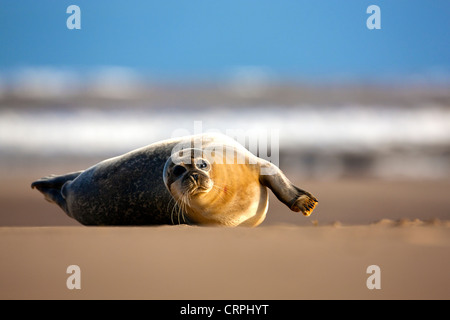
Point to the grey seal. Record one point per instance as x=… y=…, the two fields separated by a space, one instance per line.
x=207 y=179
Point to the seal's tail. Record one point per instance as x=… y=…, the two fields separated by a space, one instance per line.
x=51 y=187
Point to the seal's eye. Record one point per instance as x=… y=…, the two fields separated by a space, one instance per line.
x=178 y=171
x=202 y=164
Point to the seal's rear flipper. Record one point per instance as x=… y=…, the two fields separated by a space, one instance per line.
x=295 y=198
x=51 y=187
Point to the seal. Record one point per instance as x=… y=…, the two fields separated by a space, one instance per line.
x=207 y=179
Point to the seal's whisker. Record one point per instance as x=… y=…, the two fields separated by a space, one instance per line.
x=180 y=206
x=172 y=200
x=180 y=209
x=172 y=203
x=176 y=209
x=172 y=213
x=187 y=202
x=183 y=204
x=183 y=213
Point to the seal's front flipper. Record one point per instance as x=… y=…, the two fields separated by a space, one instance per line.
x=295 y=198
x=51 y=187
x=304 y=203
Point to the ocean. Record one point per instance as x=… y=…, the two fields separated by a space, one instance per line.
x=332 y=139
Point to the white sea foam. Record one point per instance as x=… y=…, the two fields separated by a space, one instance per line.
x=333 y=128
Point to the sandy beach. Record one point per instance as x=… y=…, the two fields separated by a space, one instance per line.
x=350 y=99
x=382 y=204
x=276 y=262
x=289 y=256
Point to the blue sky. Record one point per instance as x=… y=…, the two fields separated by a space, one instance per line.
x=194 y=38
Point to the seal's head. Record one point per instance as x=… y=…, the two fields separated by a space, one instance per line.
x=209 y=191
x=187 y=174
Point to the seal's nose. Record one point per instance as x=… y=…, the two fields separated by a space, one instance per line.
x=195 y=176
